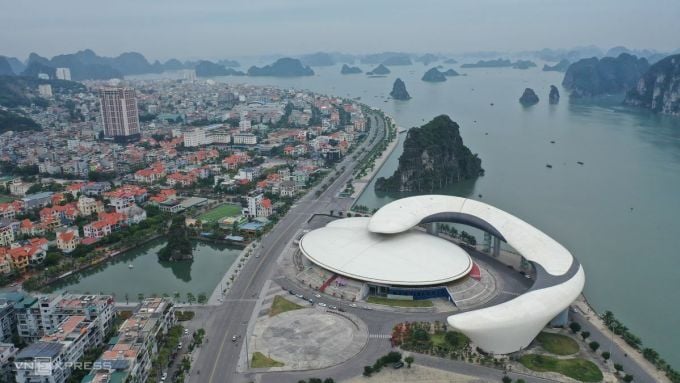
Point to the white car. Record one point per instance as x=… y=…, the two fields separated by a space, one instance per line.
x=352 y=305
x=322 y=304
x=165 y=376
x=318 y=295
x=186 y=331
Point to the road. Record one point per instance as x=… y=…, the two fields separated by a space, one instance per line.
x=218 y=358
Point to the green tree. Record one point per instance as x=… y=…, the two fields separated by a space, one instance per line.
x=628 y=378
x=606 y=355
x=191 y=298
x=176 y=295
x=585 y=334
x=140 y=297
x=409 y=359
x=506 y=379
x=202 y=298
x=575 y=327
x=618 y=367
x=594 y=345
x=368 y=370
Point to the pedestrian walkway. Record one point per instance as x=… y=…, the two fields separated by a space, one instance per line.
x=380 y=336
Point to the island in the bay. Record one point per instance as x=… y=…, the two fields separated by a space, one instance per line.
x=434 y=75
x=451 y=73
x=529 y=97
x=206 y=68
x=380 y=70
x=434 y=156
x=609 y=75
x=554 y=96
x=346 y=69
x=179 y=246
x=399 y=90
x=283 y=67
x=659 y=88
x=561 y=66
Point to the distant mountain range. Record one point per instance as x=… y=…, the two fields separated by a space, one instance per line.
x=87 y=65
x=284 y=67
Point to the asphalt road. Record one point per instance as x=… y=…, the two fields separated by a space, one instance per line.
x=218 y=358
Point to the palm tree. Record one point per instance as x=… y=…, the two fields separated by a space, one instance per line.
x=177 y=296
x=140 y=297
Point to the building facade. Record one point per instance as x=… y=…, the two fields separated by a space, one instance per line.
x=119 y=114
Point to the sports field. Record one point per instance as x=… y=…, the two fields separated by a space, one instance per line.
x=221 y=211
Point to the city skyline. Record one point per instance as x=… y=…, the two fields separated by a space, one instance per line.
x=215 y=30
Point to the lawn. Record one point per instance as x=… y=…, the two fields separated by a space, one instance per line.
x=579 y=369
x=281 y=305
x=213 y=215
x=5 y=198
x=399 y=302
x=261 y=361
x=557 y=344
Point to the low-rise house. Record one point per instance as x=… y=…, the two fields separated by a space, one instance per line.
x=287 y=188
x=105 y=225
x=181 y=179
x=37 y=200
x=150 y=175
x=95 y=189
x=31 y=229
x=68 y=240
x=9 y=210
x=88 y=206
x=31 y=252
x=6 y=232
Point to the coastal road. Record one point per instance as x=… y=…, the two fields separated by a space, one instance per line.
x=218 y=358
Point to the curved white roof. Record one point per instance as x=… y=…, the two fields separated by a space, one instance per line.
x=412 y=258
x=533 y=244
x=512 y=325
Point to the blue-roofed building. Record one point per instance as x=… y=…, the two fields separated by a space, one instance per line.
x=37 y=200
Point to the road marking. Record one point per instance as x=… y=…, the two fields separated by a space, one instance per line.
x=380 y=336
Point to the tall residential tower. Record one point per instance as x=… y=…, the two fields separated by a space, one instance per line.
x=120 y=117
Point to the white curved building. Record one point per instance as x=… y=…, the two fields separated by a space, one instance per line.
x=512 y=325
x=348 y=248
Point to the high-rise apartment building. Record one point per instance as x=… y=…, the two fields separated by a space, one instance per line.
x=119 y=114
x=63 y=74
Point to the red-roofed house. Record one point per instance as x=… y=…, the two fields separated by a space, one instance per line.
x=107 y=224
x=181 y=179
x=68 y=240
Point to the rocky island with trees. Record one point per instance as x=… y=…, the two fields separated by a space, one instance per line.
x=399 y=91
x=659 y=88
x=554 y=96
x=434 y=156
x=529 y=97
x=380 y=70
x=434 y=75
x=609 y=75
x=178 y=247
x=346 y=69
x=283 y=67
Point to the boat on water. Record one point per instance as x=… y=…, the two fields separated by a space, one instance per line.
x=130 y=266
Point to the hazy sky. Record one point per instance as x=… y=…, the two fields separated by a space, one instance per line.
x=161 y=29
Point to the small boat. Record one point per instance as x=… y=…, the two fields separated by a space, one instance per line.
x=491 y=104
x=579 y=162
x=548 y=166
x=130 y=266
x=552 y=142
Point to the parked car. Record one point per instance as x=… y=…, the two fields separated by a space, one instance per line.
x=323 y=304
x=352 y=305
x=318 y=295
x=398 y=365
